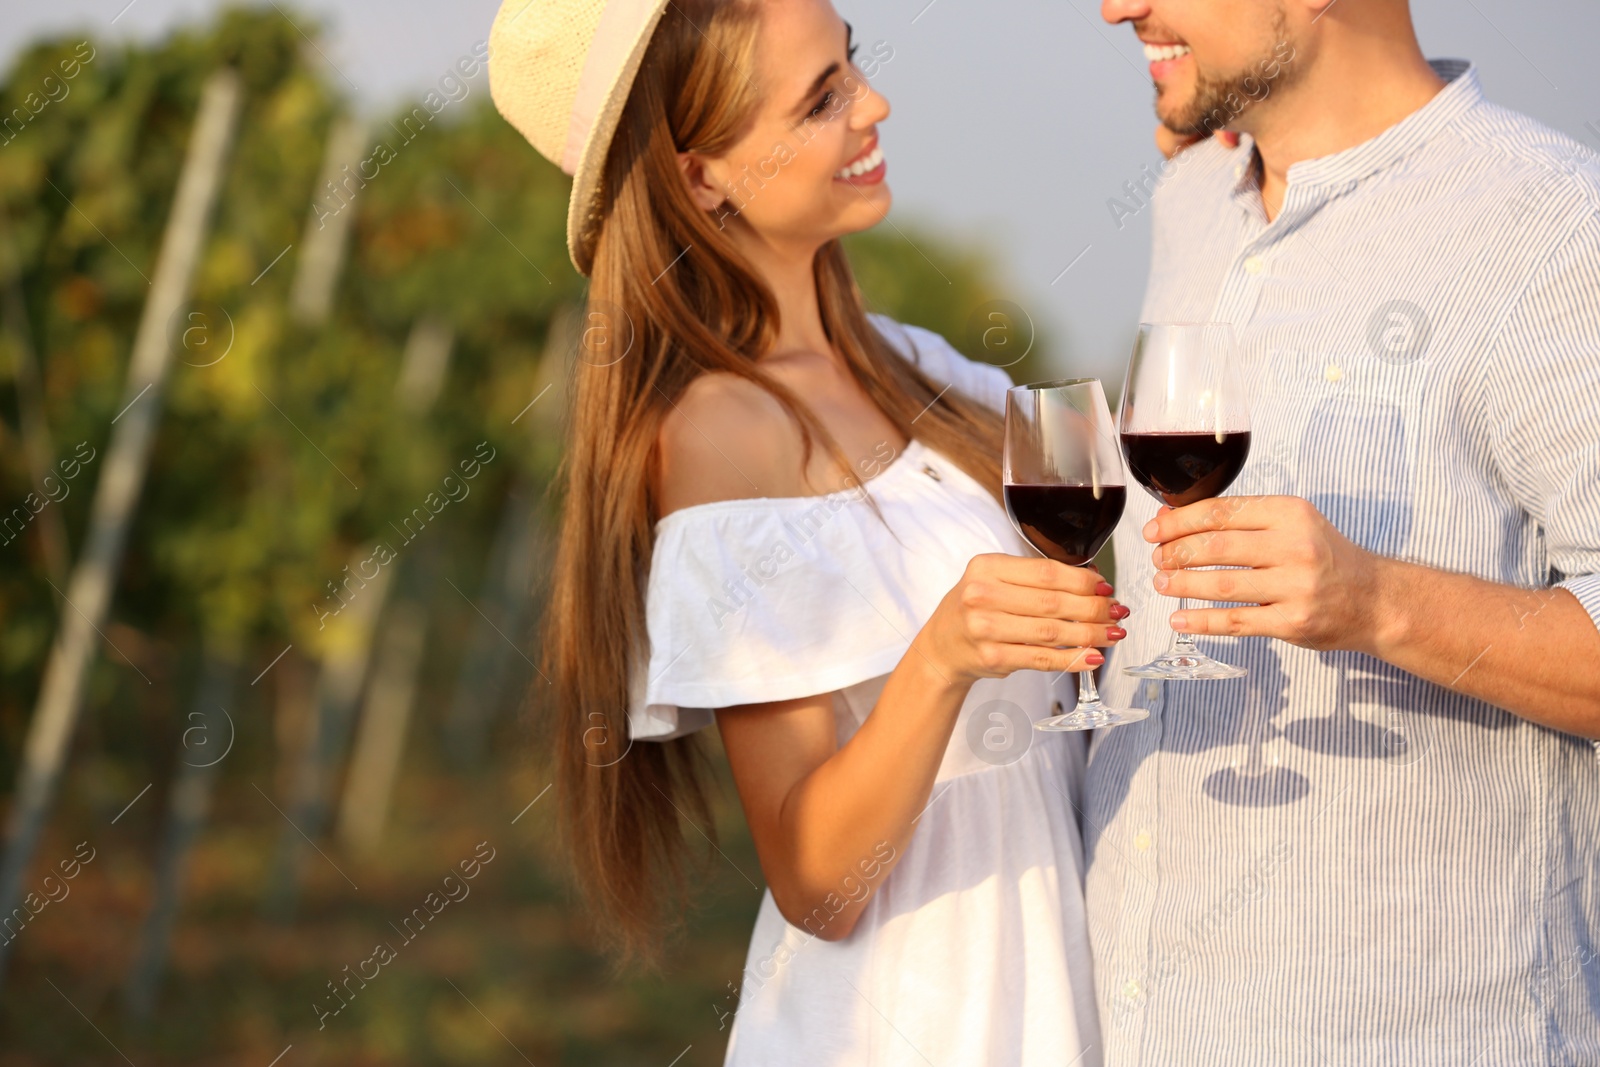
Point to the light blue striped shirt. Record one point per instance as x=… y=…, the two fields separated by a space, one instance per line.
x=1333 y=861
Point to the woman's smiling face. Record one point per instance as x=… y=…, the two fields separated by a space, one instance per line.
x=810 y=167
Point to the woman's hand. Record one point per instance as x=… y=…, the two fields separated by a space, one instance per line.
x=1172 y=143
x=823 y=815
x=1011 y=614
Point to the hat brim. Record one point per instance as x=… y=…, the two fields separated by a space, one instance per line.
x=583 y=214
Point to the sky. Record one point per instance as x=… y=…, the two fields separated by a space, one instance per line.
x=1015 y=121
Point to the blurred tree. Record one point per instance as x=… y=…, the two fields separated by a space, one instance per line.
x=919 y=277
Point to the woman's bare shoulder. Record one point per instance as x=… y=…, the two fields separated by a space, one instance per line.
x=726 y=438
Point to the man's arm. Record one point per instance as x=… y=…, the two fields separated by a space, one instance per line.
x=1533 y=652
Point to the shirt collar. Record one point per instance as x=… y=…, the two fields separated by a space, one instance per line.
x=1461 y=94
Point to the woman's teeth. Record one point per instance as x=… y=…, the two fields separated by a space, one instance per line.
x=1155 y=53
x=868 y=162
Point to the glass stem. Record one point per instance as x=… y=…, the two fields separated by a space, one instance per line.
x=1182 y=643
x=1088 y=692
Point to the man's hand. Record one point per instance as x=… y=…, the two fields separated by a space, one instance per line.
x=1530 y=651
x=1307 y=584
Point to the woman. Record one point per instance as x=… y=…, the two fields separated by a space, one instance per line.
x=782 y=516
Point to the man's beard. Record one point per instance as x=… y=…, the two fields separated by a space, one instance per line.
x=1210 y=109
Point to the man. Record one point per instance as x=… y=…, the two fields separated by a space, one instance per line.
x=1382 y=846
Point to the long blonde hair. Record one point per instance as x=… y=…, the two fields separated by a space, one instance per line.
x=621 y=803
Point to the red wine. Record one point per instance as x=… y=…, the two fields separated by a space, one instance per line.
x=1068 y=523
x=1181 y=468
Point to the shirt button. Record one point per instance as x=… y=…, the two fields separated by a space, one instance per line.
x=1254 y=265
x=1131 y=989
x=1333 y=372
x=1142 y=840
x=1238 y=172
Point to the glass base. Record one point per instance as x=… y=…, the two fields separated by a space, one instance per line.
x=1181 y=665
x=1095 y=716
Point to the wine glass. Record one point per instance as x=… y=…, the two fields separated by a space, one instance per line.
x=1064 y=491
x=1185 y=432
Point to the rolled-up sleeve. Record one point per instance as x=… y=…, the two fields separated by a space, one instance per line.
x=1587 y=589
x=1542 y=393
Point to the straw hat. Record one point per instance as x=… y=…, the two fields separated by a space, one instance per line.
x=560 y=71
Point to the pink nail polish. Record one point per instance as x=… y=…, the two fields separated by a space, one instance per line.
x=1120 y=611
x=1094 y=659
x=1103 y=589
x=1115 y=633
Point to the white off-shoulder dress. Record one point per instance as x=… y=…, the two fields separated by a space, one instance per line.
x=974 y=949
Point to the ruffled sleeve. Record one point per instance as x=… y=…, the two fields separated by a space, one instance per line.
x=762 y=600
x=939 y=360
x=755 y=601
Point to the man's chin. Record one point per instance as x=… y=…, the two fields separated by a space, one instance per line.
x=1171 y=111
x=1185 y=121
x=1176 y=121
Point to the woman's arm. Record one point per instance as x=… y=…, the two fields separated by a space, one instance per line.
x=830 y=822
